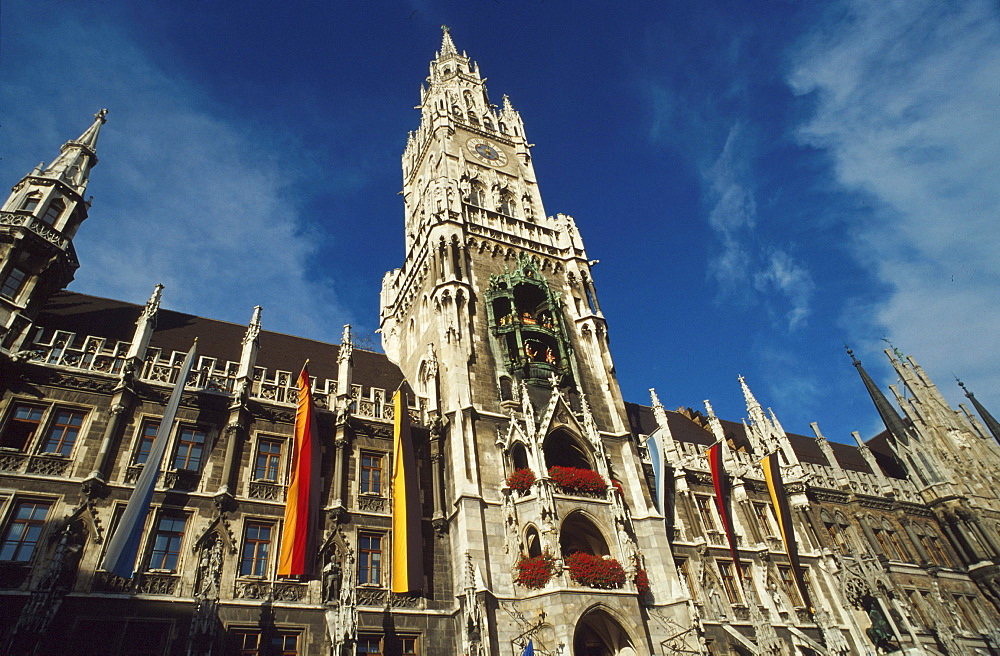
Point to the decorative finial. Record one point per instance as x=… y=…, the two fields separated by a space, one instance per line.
x=444 y=28
x=857 y=363
x=101 y=115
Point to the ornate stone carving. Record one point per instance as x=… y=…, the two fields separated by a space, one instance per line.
x=368 y=503
x=266 y=490
x=47 y=465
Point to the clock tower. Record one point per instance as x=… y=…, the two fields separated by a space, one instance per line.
x=495 y=321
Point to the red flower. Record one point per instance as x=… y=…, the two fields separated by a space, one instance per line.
x=573 y=479
x=641 y=581
x=521 y=480
x=595 y=571
x=534 y=572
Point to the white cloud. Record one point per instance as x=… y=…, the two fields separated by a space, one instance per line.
x=205 y=204
x=745 y=263
x=906 y=104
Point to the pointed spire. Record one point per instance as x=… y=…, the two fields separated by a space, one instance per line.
x=991 y=423
x=754 y=408
x=144 y=326
x=251 y=344
x=77 y=157
x=893 y=422
x=447 y=45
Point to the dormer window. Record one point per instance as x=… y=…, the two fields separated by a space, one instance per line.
x=31 y=202
x=54 y=211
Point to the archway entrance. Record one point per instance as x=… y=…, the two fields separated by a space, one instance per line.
x=599 y=634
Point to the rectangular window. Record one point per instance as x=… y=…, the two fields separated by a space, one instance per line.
x=408 y=646
x=370 y=558
x=284 y=643
x=705 y=510
x=256 y=549
x=167 y=542
x=246 y=642
x=268 y=460
x=371 y=473
x=763 y=516
x=788 y=582
x=369 y=645
x=729 y=583
x=190 y=444
x=146 y=438
x=64 y=431
x=11 y=288
x=21 y=427
x=21 y=536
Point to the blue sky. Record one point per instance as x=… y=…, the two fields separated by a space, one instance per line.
x=762 y=181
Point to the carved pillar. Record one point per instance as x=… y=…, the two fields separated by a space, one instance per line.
x=957 y=541
x=120 y=403
x=873 y=543
x=973 y=523
x=915 y=539
x=234 y=433
x=340 y=456
x=437 y=478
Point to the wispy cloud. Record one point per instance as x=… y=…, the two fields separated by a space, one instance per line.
x=745 y=263
x=205 y=203
x=906 y=105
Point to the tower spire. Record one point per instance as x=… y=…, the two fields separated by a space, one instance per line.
x=447 y=45
x=893 y=422
x=78 y=156
x=991 y=423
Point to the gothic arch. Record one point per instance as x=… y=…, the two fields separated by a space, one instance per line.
x=580 y=532
x=519 y=455
x=564 y=448
x=600 y=632
x=532 y=541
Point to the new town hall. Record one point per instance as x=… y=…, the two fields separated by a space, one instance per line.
x=554 y=511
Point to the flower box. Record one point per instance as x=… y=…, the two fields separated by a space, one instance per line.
x=600 y=572
x=534 y=572
x=521 y=480
x=641 y=581
x=573 y=479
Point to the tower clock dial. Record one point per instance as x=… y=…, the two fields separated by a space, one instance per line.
x=486 y=152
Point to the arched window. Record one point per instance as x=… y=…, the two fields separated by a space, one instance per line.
x=477 y=193
x=54 y=210
x=532 y=542
x=519 y=456
x=563 y=449
x=508 y=204
x=506 y=388
x=579 y=534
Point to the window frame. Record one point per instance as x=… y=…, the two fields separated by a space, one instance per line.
x=179 y=442
x=788 y=583
x=13 y=520
x=368 y=637
x=363 y=469
x=704 y=504
x=256 y=558
x=53 y=423
x=154 y=535
x=11 y=418
x=12 y=292
x=141 y=438
x=279 y=459
x=728 y=577
x=377 y=566
x=56 y=204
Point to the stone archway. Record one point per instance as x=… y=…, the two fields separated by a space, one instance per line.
x=600 y=634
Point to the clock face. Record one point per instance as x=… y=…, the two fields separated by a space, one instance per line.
x=486 y=152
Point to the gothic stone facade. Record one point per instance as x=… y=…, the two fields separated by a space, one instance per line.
x=542 y=519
